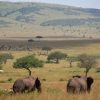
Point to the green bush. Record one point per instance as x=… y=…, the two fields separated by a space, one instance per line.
x=28 y=62
x=56 y=56
x=9 y=79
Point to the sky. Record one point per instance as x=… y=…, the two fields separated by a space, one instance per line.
x=77 y=3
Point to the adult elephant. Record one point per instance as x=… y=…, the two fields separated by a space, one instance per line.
x=26 y=84
x=78 y=84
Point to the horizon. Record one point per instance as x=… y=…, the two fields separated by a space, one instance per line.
x=80 y=3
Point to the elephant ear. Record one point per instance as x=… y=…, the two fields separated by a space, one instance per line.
x=38 y=84
x=89 y=83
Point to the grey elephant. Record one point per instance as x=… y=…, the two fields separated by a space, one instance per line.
x=26 y=84
x=78 y=84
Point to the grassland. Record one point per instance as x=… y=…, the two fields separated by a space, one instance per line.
x=54 y=77
x=24 y=21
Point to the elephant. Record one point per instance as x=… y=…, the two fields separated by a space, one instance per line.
x=77 y=76
x=26 y=84
x=79 y=84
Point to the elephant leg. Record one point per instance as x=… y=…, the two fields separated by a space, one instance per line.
x=83 y=89
x=17 y=90
x=30 y=89
x=22 y=91
x=77 y=90
x=70 y=89
x=39 y=89
x=34 y=88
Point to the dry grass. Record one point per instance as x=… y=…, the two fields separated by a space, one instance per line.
x=56 y=91
x=53 y=76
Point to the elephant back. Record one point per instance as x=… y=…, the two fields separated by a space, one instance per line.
x=29 y=83
x=73 y=86
x=82 y=83
x=77 y=85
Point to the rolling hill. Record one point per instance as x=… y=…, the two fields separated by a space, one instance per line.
x=32 y=19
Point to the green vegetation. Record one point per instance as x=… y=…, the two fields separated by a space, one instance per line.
x=53 y=76
x=87 y=62
x=47 y=49
x=72 y=59
x=4 y=57
x=56 y=56
x=67 y=22
x=44 y=21
x=27 y=63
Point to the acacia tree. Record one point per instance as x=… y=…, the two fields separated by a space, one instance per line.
x=27 y=63
x=56 y=56
x=71 y=59
x=86 y=62
x=4 y=57
x=47 y=49
x=39 y=37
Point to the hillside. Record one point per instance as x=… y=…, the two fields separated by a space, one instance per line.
x=31 y=19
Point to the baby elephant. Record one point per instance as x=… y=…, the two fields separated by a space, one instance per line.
x=26 y=84
x=78 y=84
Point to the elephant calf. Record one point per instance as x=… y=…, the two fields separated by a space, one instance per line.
x=26 y=84
x=78 y=84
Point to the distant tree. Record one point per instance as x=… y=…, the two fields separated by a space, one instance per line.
x=4 y=57
x=27 y=63
x=39 y=37
x=71 y=59
x=47 y=49
x=30 y=40
x=56 y=56
x=86 y=62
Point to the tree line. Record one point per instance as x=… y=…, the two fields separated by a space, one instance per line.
x=30 y=61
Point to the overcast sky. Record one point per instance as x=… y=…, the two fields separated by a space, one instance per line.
x=79 y=3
